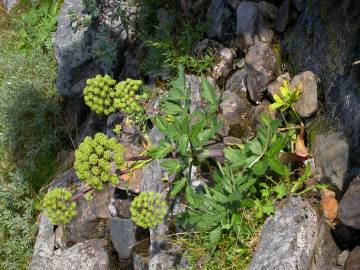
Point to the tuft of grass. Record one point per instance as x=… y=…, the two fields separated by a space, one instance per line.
x=229 y=255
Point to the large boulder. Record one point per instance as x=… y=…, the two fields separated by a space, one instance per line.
x=349 y=214
x=331 y=153
x=73 y=52
x=122 y=236
x=289 y=238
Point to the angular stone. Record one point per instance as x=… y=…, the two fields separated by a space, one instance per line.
x=289 y=238
x=353 y=260
x=331 y=154
x=238 y=114
x=307 y=83
x=45 y=240
x=89 y=255
x=62 y=238
x=260 y=67
x=274 y=87
x=92 y=219
x=349 y=213
x=215 y=14
x=223 y=64
x=247 y=13
x=282 y=17
x=122 y=233
x=236 y=83
x=267 y=10
x=326 y=250
x=140 y=262
x=73 y=52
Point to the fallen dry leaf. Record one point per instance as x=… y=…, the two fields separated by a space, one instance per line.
x=329 y=204
x=300 y=148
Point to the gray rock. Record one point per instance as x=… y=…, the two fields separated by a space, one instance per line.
x=89 y=255
x=299 y=4
x=274 y=87
x=288 y=239
x=353 y=260
x=92 y=219
x=326 y=250
x=348 y=213
x=247 y=13
x=122 y=233
x=140 y=262
x=341 y=259
x=9 y=4
x=265 y=34
x=162 y=261
x=282 y=17
x=238 y=115
x=62 y=238
x=236 y=82
x=260 y=67
x=73 y=52
x=215 y=15
x=267 y=10
x=223 y=64
x=307 y=83
x=331 y=154
x=45 y=241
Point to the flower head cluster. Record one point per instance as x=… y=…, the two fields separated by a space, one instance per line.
x=57 y=206
x=97 y=159
x=99 y=94
x=128 y=97
x=148 y=209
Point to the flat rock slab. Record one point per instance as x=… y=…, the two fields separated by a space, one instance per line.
x=288 y=239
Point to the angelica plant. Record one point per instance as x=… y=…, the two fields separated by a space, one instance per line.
x=99 y=94
x=97 y=159
x=58 y=207
x=148 y=209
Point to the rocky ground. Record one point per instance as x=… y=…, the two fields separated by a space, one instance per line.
x=257 y=45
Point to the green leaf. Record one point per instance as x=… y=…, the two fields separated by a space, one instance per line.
x=235 y=156
x=281 y=191
x=160 y=151
x=276 y=166
x=172 y=108
x=161 y=123
x=247 y=203
x=214 y=237
x=269 y=208
x=260 y=168
x=189 y=195
x=255 y=147
x=248 y=184
x=183 y=144
x=278 y=144
x=208 y=91
x=205 y=135
x=171 y=165
x=177 y=186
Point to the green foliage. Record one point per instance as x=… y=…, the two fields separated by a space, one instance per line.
x=99 y=94
x=18 y=226
x=186 y=132
x=97 y=159
x=221 y=207
x=148 y=209
x=171 y=45
x=287 y=97
x=230 y=254
x=37 y=24
x=57 y=206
